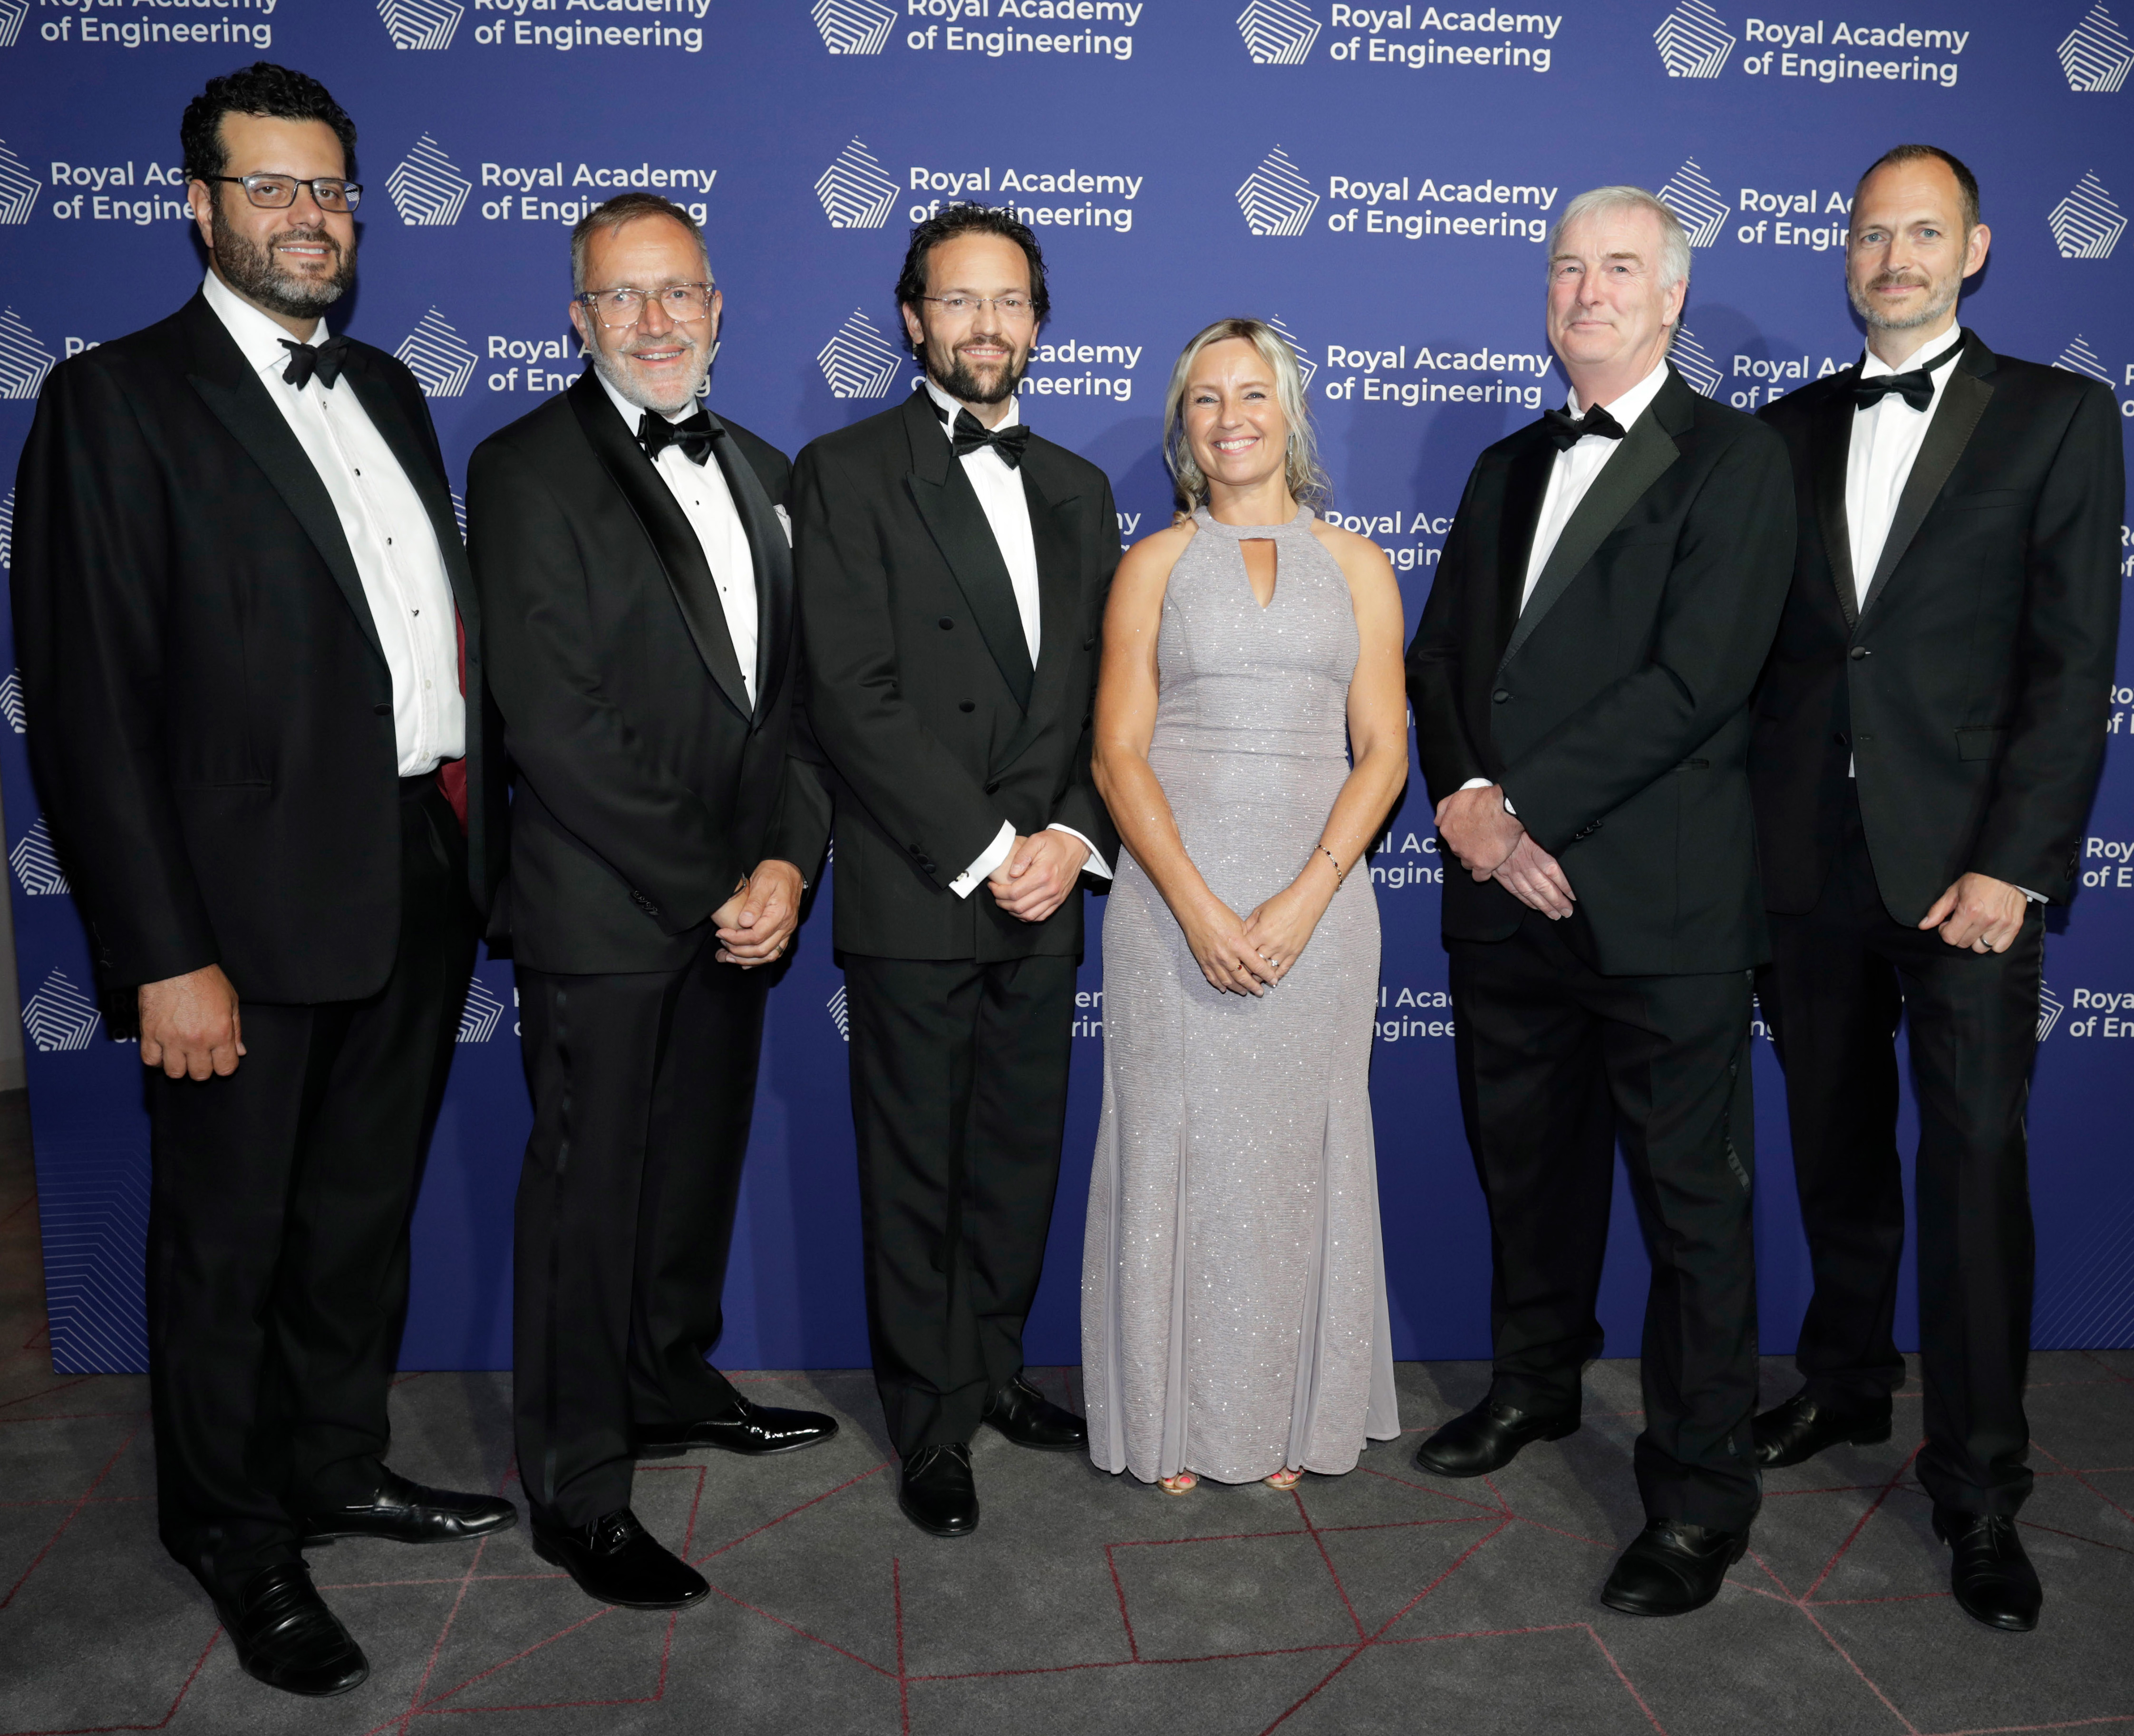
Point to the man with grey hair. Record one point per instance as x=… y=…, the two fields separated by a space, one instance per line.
x=633 y=546
x=1581 y=683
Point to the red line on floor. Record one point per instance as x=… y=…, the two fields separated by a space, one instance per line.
x=1629 y=1686
x=2056 y=1459
x=1852 y=1536
x=802 y=1508
x=184 y=1688
x=792 y=1627
x=95 y=1482
x=1357 y=1620
x=28 y=1398
x=452 y=1615
x=1853 y=1664
x=1133 y=1646
x=903 y=1680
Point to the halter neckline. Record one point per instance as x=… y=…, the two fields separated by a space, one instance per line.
x=1245 y=532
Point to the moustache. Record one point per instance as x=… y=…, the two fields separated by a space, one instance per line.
x=310 y=237
x=1894 y=280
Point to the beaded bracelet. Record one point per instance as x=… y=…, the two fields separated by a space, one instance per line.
x=1339 y=873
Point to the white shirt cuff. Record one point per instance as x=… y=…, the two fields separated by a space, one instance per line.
x=990 y=858
x=1095 y=864
x=2035 y=898
x=1483 y=783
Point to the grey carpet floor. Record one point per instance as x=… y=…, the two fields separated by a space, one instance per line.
x=1382 y=1601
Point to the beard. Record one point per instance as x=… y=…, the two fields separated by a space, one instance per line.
x=962 y=382
x=613 y=370
x=1941 y=296
x=250 y=270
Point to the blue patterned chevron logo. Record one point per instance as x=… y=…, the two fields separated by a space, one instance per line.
x=856 y=191
x=2086 y=224
x=438 y=357
x=1696 y=203
x=426 y=187
x=859 y=362
x=1276 y=198
x=2096 y=55
x=1278 y=32
x=37 y=864
x=1693 y=42
x=423 y=24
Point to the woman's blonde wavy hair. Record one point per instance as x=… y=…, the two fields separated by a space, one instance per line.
x=1307 y=482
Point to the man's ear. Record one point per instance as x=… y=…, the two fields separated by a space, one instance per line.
x=578 y=325
x=200 y=196
x=911 y=324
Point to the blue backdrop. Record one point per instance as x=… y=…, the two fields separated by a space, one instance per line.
x=1377 y=179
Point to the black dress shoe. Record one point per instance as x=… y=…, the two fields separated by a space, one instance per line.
x=1488 y=1438
x=1992 y=1579
x=616 y=1561
x=401 y=1512
x=287 y=1637
x=754 y=1430
x=1803 y=1427
x=1029 y=1419
x=1671 y=1568
x=936 y=1491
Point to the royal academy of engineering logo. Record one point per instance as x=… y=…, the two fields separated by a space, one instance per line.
x=855 y=191
x=11 y=703
x=8 y=531
x=1694 y=363
x=2078 y=358
x=2049 y=1009
x=854 y=26
x=1692 y=42
x=2096 y=55
x=859 y=362
x=1304 y=365
x=59 y=1016
x=481 y=1014
x=426 y=188
x=24 y=362
x=437 y=356
x=18 y=188
x=1276 y=198
x=37 y=864
x=2086 y=224
x=1278 y=32
x=13 y=14
x=421 y=23
x=841 y=1015
x=1690 y=195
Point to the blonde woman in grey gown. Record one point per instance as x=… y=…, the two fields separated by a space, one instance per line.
x=1250 y=734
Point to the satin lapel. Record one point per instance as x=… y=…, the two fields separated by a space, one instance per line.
x=1831 y=436
x=1646 y=452
x=416 y=465
x=1059 y=590
x=1524 y=490
x=774 y=568
x=949 y=505
x=228 y=387
x=681 y=556
x=1964 y=401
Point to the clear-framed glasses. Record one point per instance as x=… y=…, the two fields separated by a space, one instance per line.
x=1014 y=308
x=279 y=192
x=625 y=305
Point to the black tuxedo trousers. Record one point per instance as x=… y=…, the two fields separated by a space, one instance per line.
x=959 y=1097
x=1842 y=975
x=1556 y=1061
x=644 y=1086
x=277 y=1231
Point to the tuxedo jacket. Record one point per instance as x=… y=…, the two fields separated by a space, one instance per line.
x=1613 y=707
x=647 y=784
x=1970 y=691
x=929 y=722
x=211 y=714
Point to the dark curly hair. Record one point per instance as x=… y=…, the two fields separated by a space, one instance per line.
x=969 y=219
x=262 y=88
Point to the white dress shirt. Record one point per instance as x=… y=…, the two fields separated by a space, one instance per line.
x=1886 y=437
x=998 y=486
x=389 y=530
x=1569 y=478
x=701 y=491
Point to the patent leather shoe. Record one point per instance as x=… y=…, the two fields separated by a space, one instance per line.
x=287 y=1637
x=936 y=1490
x=754 y=1430
x=401 y=1512
x=1991 y=1576
x=1804 y=1426
x=1488 y=1438
x=616 y=1561
x=1029 y=1419
x=1671 y=1568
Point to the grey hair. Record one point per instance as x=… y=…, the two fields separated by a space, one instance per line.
x=1306 y=481
x=628 y=208
x=1674 y=241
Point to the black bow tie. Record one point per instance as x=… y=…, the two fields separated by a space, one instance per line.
x=1567 y=430
x=1916 y=387
x=306 y=359
x=693 y=434
x=969 y=435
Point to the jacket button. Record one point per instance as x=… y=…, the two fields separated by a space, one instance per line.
x=966 y=705
x=1859 y=652
x=918 y=852
x=993 y=786
x=1838 y=736
x=1501 y=695
x=946 y=623
x=382 y=711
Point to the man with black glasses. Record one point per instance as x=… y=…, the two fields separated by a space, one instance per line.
x=630 y=549
x=249 y=642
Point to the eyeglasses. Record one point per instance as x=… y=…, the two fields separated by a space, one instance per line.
x=624 y=306
x=1014 y=308
x=279 y=192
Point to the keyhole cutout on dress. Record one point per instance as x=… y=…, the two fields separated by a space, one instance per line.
x=1259 y=553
